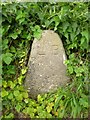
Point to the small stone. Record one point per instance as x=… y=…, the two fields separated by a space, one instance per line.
x=46 y=71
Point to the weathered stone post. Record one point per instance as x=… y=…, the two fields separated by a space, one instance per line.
x=46 y=69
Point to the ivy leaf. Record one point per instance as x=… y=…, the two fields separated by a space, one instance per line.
x=69 y=29
x=24 y=71
x=5 y=29
x=4 y=83
x=70 y=68
x=4 y=93
x=13 y=50
x=20 y=97
x=10 y=69
x=29 y=36
x=49 y=107
x=26 y=100
x=18 y=107
x=7 y=58
x=16 y=93
x=37 y=32
x=5 y=44
x=13 y=35
x=30 y=110
x=10 y=96
x=11 y=84
x=20 y=79
x=39 y=98
x=25 y=94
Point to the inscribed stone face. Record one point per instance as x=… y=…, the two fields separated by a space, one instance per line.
x=46 y=69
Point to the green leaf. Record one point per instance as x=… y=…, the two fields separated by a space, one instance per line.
x=4 y=83
x=69 y=29
x=85 y=33
x=9 y=116
x=84 y=43
x=74 y=100
x=11 y=69
x=48 y=22
x=70 y=69
x=19 y=30
x=19 y=14
x=57 y=21
x=19 y=97
x=29 y=36
x=84 y=102
x=39 y=98
x=13 y=50
x=74 y=26
x=26 y=100
x=72 y=36
x=5 y=44
x=13 y=35
x=57 y=102
x=16 y=93
x=37 y=32
x=5 y=29
x=61 y=113
x=4 y=93
x=11 y=84
x=0 y=83
x=72 y=56
x=65 y=26
x=18 y=107
x=25 y=94
x=20 y=78
x=24 y=71
x=49 y=107
x=1 y=69
x=64 y=9
x=30 y=110
x=66 y=35
x=21 y=20
x=75 y=110
x=10 y=96
x=7 y=54
x=7 y=58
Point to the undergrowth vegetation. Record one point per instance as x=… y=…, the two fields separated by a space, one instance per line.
x=21 y=23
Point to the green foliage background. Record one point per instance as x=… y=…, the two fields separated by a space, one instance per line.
x=21 y=23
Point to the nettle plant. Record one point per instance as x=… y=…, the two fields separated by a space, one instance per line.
x=21 y=23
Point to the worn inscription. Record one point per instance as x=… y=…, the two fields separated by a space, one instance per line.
x=46 y=70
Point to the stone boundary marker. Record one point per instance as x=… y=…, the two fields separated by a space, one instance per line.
x=46 y=69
